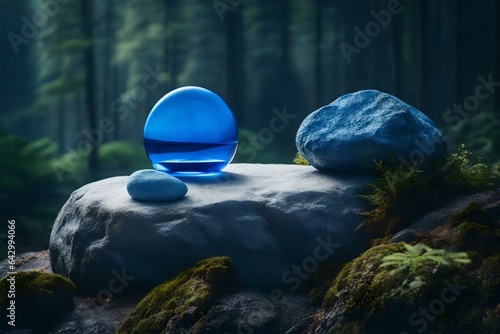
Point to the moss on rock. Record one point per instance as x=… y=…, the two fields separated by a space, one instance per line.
x=39 y=298
x=477 y=237
x=489 y=277
x=468 y=231
x=360 y=278
x=182 y=300
x=366 y=295
x=472 y=213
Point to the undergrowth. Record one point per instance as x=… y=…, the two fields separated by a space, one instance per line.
x=458 y=170
x=401 y=193
x=392 y=193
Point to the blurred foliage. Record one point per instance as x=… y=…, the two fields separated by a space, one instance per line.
x=252 y=150
x=32 y=191
x=29 y=189
x=480 y=133
x=122 y=158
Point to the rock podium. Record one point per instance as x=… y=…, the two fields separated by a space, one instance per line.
x=277 y=223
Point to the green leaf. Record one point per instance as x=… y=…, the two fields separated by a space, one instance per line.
x=389 y=263
x=396 y=256
x=438 y=259
x=464 y=261
x=416 y=284
x=411 y=249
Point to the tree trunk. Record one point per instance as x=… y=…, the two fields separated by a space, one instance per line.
x=234 y=72
x=423 y=53
x=60 y=126
x=90 y=106
x=285 y=33
x=396 y=53
x=318 y=41
x=168 y=26
x=496 y=52
x=108 y=54
x=116 y=95
x=173 y=60
x=459 y=51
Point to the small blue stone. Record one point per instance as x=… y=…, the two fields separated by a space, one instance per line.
x=153 y=186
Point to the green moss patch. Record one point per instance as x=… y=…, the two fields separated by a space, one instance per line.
x=360 y=278
x=468 y=231
x=181 y=301
x=367 y=295
x=472 y=213
x=489 y=277
x=39 y=298
x=477 y=237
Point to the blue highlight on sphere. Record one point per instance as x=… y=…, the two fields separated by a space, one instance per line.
x=191 y=131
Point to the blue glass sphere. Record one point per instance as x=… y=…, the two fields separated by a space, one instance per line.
x=190 y=131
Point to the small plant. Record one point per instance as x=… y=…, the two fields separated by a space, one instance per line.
x=300 y=160
x=393 y=191
x=458 y=169
x=397 y=193
x=495 y=170
x=411 y=262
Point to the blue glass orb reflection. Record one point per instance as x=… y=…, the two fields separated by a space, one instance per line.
x=191 y=131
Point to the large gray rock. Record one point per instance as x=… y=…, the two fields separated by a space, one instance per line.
x=348 y=134
x=267 y=218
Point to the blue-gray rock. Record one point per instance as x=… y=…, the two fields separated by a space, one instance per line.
x=267 y=218
x=154 y=186
x=348 y=134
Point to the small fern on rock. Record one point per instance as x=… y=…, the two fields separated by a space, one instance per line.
x=393 y=191
x=411 y=262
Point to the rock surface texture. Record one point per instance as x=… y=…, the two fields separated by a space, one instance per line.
x=489 y=199
x=348 y=134
x=253 y=312
x=267 y=218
